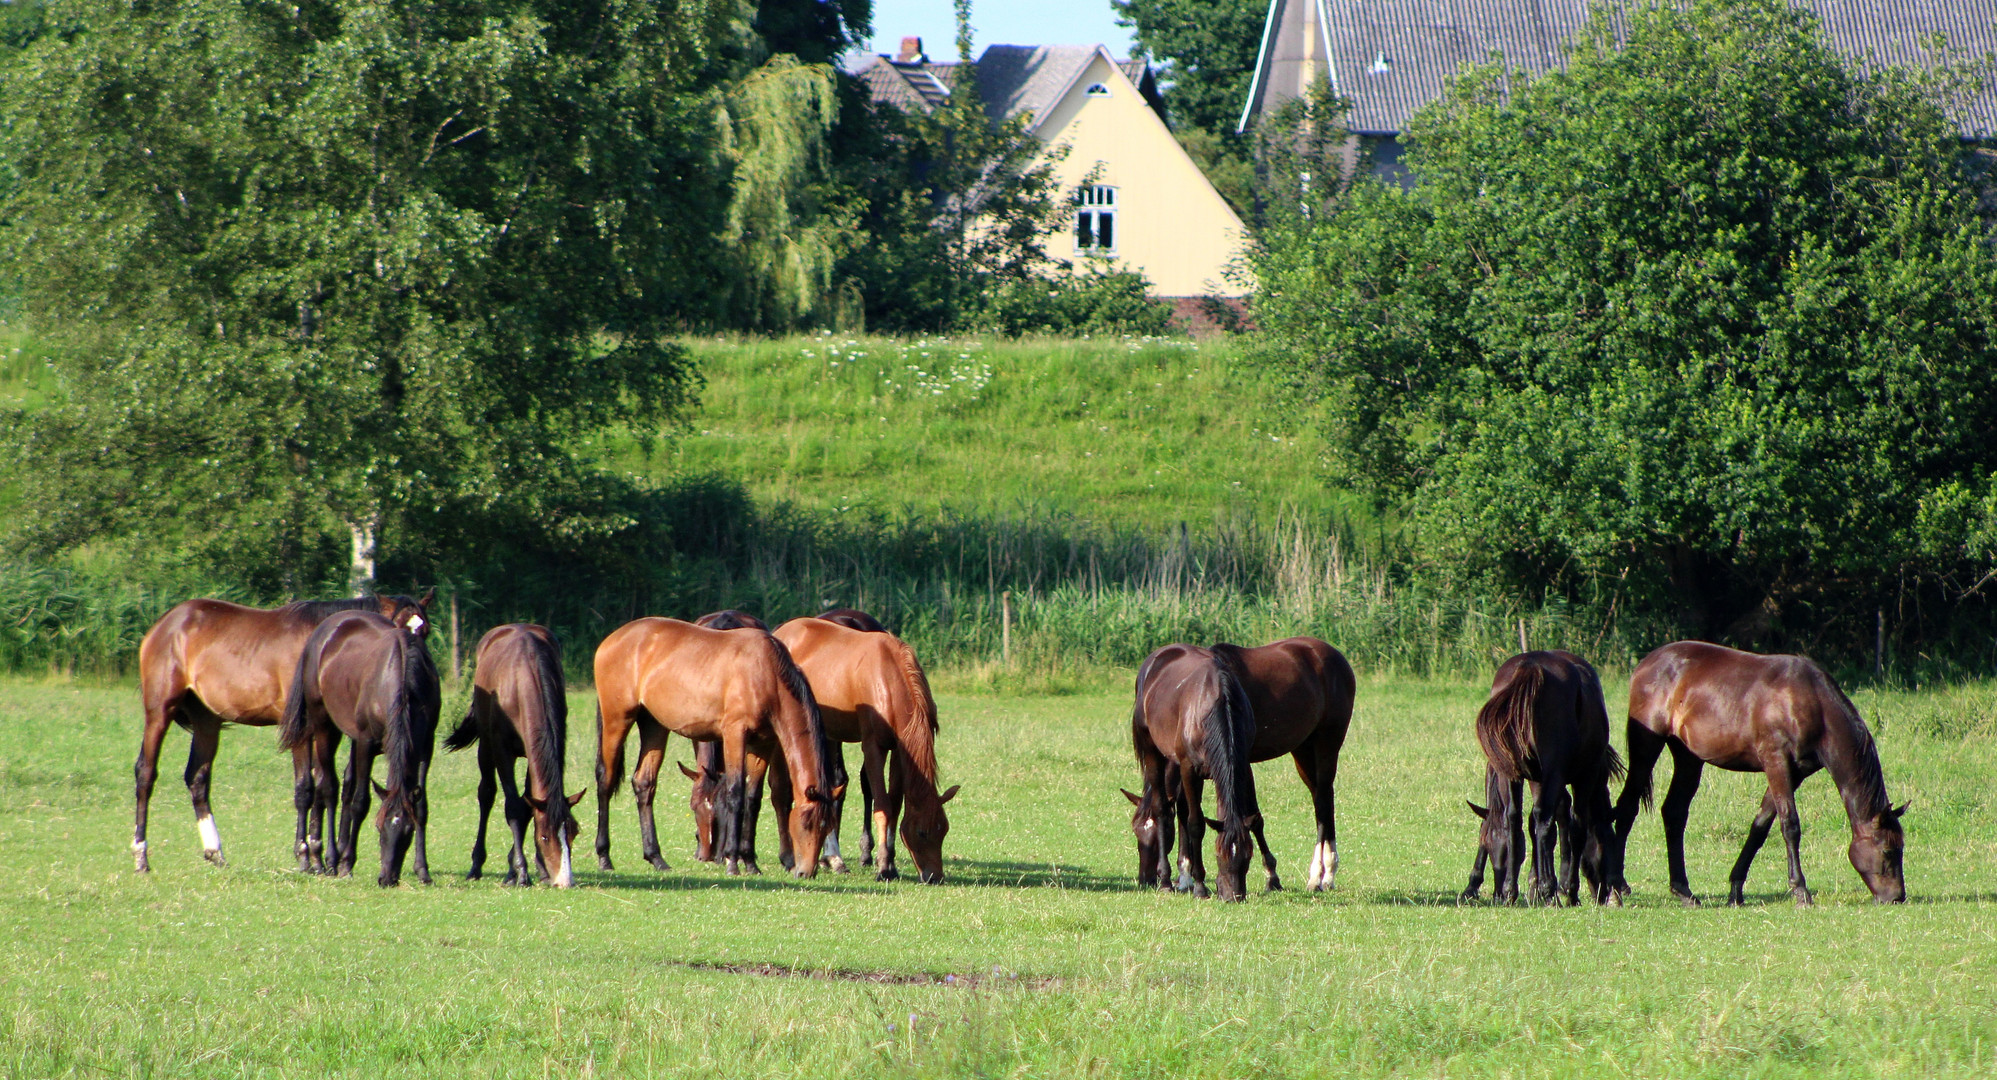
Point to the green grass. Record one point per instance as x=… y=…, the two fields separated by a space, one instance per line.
x=1063 y=967
x=1139 y=433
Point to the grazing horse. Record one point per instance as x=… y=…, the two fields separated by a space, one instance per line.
x=362 y=675
x=1301 y=691
x=1545 y=722
x=1781 y=716
x=519 y=709
x=871 y=690
x=707 y=756
x=1500 y=839
x=739 y=687
x=207 y=663
x=1193 y=722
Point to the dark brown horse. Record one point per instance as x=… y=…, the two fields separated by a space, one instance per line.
x=519 y=710
x=365 y=677
x=207 y=663
x=871 y=690
x=739 y=687
x=1781 y=716
x=1545 y=722
x=1193 y=722
x=1301 y=692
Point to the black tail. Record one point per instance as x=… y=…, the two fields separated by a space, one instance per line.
x=1230 y=735
x=1639 y=787
x=465 y=734
x=291 y=729
x=1507 y=726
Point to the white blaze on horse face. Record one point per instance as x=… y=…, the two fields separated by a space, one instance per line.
x=211 y=838
x=566 y=877
x=415 y=624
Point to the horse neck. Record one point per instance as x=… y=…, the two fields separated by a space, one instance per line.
x=915 y=727
x=398 y=742
x=547 y=734
x=1853 y=762
x=801 y=732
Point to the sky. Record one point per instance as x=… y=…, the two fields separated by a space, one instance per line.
x=998 y=22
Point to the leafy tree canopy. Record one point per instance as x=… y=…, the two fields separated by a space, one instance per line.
x=1208 y=50
x=1708 y=319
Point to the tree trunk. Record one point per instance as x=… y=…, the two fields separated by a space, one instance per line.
x=366 y=531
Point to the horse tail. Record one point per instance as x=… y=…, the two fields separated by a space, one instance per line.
x=465 y=734
x=1507 y=725
x=792 y=681
x=1230 y=735
x=1617 y=771
x=291 y=728
x=919 y=739
x=1639 y=786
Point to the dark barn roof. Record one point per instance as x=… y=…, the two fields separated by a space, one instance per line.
x=1391 y=57
x=1024 y=81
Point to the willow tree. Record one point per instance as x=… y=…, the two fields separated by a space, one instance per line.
x=342 y=268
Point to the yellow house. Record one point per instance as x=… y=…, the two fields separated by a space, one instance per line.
x=1139 y=201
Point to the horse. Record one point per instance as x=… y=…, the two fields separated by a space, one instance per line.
x=1300 y=691
x=871 y=690
x=1545 y=722
x=1192 y=722
x=736 y=686
x=853 y=619
x=1500 y=839
x=207 y=663
x=519 y=709
x=1781 y=716
x=364 y=676
x=707 y=757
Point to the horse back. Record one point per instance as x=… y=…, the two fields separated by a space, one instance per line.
x=1736 y=709
x=517 y=681
x=238 y=661
x=689 y=678
x=1299 y=687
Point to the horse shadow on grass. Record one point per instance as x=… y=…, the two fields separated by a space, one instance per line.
x=966 y=872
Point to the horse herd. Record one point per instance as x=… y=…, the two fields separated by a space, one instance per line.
x=775 y=706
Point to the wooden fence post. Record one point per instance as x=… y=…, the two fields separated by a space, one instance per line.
x=457 y=657
x=1522 y=644
x=1005 y=633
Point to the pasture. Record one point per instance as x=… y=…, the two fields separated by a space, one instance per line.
x=1038 y=958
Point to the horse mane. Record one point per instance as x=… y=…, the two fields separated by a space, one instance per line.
x=414 y=672
x=792 y=679
x=1863 y=785
x=320 y=610
x=1230 y=732
x=551 y=736
x=1506 y=726
x=919 y=739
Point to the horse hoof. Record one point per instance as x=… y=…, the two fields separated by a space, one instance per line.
x=603 y=863
x=887 y=873
x=659 y=863
x=475 y=873
x=1201 y=892
x=836 y=864
x=1688 y=900
x=1804 y=899
x=1468 y=896
x=749 y=867
x=1275 y=885
x=423 y=876
x=214 y=855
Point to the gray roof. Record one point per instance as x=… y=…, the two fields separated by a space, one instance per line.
x=1391 y=57
x=1024 y=81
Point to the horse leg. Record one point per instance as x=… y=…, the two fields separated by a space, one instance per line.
x=162 y=698
x=1192 y=830
x=1757 y=834
x=645 y=786
x=1549 y=812
x=325 y=797
x=421 y=856
x=488 y=787
x=518 y=818
x=360 y=768
x=728 y=800
x=611 y=728
x=1685 y=771
x=836 y=754
x=754 y=768
x=868 y=796
x=207 y=732
x=873 y=774
x=1782 y=788
x=781 y=798
x=897 y=790
x=304 y=789
x=1570 y=855
x=1322 y=781
x=1512 y=825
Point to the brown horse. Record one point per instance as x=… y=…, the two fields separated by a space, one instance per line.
x=1781 y=716
x=1545 y=723
x=707 y=757
x=361 y=675
x=1301 y=692
x=519 y=709
x=207 y=663
x=739 y=687
x=871 y=690
x=1193 y=722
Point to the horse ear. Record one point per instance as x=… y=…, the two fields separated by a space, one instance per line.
x=1254 y=821
x=838 y=792
x=1475 y=809
x=948 y=795
x=380 y=792
x=428 y=597
x=577 y=797
x=1902 y=808
x=1135 y=800
x=1212 y=823
x=690 y=774
x=540 y=806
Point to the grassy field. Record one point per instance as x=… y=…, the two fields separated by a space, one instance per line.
x=1039 y=957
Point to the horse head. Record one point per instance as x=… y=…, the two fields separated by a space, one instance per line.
x=810 y=824
x=1151 y=821
x=1233 y=849
x=706 y=782
x=923 y=828
x=397 y=822
x=555 y=832
x=408 y=612
x=1877 y=844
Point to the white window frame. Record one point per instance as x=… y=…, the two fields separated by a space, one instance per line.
x=1096 y=214
x=1097 y=90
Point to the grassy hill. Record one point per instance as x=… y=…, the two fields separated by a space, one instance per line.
x=1126 y=433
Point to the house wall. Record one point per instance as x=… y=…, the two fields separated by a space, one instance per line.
x=1172 y=226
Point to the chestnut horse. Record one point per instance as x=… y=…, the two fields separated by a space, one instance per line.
x=519 y=709
x=871 y=690
x=362 y=675
x=739 y=687
x=1781 y=716
x=1545 y=722
x=1301 y=691
x=1193 y=722
x=707 y=756
x=207 y=663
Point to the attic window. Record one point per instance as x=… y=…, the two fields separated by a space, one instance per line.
x=1381 y=65
x=1097 y=90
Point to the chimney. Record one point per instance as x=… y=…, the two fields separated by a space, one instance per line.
x=911 y=51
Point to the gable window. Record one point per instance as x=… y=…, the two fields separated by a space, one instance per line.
x=1095 y=219
x=1097 y=90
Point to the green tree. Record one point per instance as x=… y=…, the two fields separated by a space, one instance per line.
x=1709 y=318
x=1206 y=49
x=356 y=269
